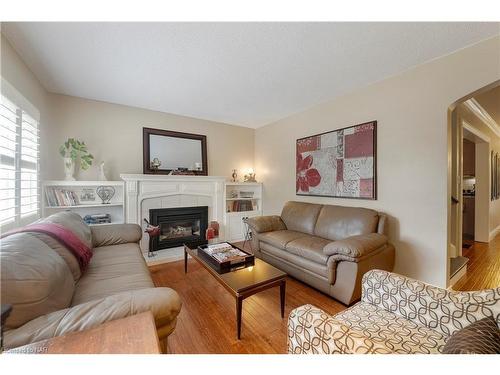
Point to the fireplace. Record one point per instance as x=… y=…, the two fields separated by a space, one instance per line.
x=178 y=226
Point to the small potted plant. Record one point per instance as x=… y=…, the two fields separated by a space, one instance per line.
x=71 y=150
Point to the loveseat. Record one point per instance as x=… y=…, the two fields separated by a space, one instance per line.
x=328 y=247
x=396 y=314
x=51 y=296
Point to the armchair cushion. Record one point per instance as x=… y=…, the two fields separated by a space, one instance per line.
x=262 y=224
x=312 y=331
x=388 y=330
x=164 y=303
x=362 y=329
x=442 y=310
x=356 y=247
x=115 y=234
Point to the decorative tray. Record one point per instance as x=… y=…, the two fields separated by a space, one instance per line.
x=226 y=266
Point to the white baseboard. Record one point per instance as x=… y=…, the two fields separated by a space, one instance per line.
x=457 y=276
x=494 y=232
x=173 y=254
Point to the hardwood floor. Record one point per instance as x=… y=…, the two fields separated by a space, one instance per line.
x=483 y=269
x=207 y=321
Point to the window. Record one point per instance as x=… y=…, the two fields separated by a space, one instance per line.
x=19 y=165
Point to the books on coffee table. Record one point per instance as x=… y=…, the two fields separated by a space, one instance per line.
x=224 y=256
x=218 y=248
x=224 y=252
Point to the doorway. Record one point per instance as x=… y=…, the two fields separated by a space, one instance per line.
x=475 y=191
x=469 y=179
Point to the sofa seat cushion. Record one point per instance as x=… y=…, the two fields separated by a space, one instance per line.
x=280 y=238
x=297 y=261
x=309 y=247
x=113 y=269
x=389 y=330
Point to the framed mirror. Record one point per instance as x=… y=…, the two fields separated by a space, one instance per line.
x=169 y=152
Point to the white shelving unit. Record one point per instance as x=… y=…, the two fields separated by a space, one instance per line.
x=116 y=207
x=239 y=196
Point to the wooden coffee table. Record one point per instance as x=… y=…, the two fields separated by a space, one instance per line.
x=243 y=283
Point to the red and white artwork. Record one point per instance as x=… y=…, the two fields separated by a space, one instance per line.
x=340 y=163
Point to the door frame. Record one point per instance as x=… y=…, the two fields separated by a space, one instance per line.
x=451 y=122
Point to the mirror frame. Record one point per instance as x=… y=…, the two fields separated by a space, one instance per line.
x=146 y=132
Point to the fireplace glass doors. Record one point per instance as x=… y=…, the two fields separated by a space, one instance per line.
x=178 y=226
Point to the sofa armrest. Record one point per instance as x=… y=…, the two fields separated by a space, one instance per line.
x=164 y=303
x=115 y=234
x=261 y=224
x=356 y=246
x=442 y=310
x=312 y=331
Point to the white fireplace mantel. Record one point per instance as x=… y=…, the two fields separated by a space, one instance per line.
x=143 y=192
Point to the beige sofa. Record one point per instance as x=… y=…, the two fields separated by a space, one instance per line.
x=41 y=279
x=327 y=247
x=396 y=314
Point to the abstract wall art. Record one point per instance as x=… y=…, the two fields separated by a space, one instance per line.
x=341 y=163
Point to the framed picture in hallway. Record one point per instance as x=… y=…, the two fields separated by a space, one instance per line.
x=340 y=163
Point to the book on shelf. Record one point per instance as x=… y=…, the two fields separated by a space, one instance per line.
x=61 y=197
x=97 y=219
x=242 y=205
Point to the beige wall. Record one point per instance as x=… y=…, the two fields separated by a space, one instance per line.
x=113 y=133
x=411 y=110
x=20 y=77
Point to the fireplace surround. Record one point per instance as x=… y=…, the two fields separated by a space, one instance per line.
x=178 y=226
x=146 y=192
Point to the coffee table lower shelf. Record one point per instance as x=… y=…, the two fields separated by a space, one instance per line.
x=242 y=283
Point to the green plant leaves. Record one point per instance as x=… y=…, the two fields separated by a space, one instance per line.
x=62 y=151
x=86 y=161
x=74 y=148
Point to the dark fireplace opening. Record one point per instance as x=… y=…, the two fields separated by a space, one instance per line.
x=178 y=226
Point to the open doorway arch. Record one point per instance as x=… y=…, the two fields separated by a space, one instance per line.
x=459 y=130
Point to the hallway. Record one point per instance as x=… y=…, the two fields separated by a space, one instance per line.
x=483 y=269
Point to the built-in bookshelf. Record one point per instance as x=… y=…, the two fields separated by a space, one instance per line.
x=243 y=197
x=81 y=197
x=242 y=200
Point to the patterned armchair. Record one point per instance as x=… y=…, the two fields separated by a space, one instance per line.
x=396 y=314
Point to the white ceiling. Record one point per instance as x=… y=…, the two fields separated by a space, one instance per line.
x=247 y=74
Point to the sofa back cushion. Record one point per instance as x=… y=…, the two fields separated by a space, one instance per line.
x=63 y=252
x=339 y=222
x=300 y=216
x=74 y=223
x=35 y=280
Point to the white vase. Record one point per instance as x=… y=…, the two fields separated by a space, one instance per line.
x=69 y=169
x=102 y=174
